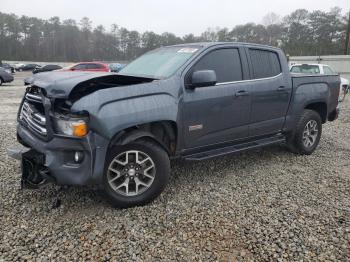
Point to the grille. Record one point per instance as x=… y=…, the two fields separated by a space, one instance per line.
x=32 y=114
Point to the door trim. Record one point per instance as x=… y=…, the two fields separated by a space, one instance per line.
x=249 y=80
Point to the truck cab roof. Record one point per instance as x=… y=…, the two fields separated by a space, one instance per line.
x=211 y=44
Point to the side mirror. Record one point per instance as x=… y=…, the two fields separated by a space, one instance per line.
x=203 y=78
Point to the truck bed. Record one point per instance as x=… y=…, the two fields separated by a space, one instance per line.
x=322 y=86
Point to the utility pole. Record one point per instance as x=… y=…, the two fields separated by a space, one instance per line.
x=346 y=49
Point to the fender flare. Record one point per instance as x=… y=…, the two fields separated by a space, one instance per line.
x=124 y=138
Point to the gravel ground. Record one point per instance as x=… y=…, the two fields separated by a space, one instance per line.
x=262 y=205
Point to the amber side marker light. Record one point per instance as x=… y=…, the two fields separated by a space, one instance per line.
x=80 y=129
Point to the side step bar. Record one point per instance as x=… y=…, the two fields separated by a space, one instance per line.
x=236 y=148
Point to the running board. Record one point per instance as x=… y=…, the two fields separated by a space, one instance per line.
x=236 y=148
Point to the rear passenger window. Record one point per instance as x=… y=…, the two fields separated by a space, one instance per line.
x=94 y=66
x=225 y=62
x=264 y=63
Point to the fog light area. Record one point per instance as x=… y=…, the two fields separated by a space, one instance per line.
x=78 y=157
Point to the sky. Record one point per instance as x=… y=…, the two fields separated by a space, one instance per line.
x=180 y=17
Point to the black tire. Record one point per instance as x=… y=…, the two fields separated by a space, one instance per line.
x=295 y=141
x=161 y=176
x=1 y=81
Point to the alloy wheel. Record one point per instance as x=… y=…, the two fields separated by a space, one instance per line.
x=131 y=173
x=310 y=133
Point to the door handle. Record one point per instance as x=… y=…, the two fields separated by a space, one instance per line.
x=242 y=93
x=281 y=88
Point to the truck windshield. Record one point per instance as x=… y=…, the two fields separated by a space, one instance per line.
x=160 y=63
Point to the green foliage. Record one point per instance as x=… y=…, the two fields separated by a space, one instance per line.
x=30 y=38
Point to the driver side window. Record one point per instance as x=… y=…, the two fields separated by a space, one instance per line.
x=225 y=62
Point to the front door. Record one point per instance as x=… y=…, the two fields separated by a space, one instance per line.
x=218 y=113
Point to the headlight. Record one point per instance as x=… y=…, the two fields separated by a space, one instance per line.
x=71 y=127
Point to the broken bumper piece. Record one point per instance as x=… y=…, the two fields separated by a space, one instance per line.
x=17 y=152
x=34 y=173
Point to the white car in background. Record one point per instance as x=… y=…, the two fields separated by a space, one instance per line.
x=17 y=65
x=323 y=70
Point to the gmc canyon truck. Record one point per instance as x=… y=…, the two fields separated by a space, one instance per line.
x=193 y=101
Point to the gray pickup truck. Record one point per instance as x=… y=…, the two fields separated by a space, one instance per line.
x=193 y=101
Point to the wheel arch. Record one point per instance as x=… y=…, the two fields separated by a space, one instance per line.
x=163 y=133
x=320 y=108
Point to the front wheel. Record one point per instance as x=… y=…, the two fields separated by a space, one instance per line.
x=135 y=173
x=306 y=137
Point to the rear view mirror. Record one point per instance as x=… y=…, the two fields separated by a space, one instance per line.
x=203 y=78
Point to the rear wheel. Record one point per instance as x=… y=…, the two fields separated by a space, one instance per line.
x=307 y=135
x=1 y=81
x=136 y=173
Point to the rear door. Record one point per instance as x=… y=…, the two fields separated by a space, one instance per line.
x=271 y=92
x=218 y=113
x=95 y=67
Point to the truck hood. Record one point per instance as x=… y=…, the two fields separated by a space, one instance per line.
x=61 y=84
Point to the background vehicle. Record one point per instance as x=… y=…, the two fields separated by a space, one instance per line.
x=18 y=65
x=116 y=67
x=28 y=67
x=89 y=67
x=46 y=68
x=6 y=70
x=8 y=67
x=344 y=90
x=323 y=70
x=194 y=101
x=5 y=77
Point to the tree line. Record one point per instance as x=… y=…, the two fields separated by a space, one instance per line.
x=30 y=38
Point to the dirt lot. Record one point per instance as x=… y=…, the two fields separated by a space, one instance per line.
x=262 y=205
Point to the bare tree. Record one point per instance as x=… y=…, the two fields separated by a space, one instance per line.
x=271 y=19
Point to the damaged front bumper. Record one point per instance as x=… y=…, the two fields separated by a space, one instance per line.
x=56 y=160
x=34 y=172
